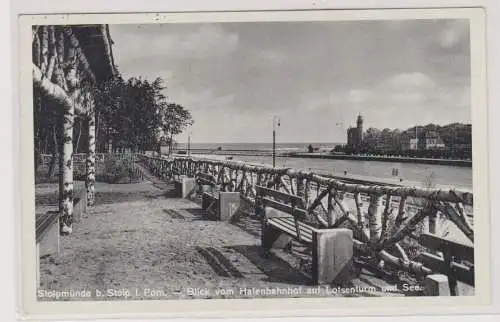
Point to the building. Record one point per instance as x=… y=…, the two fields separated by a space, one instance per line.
x=355 y=134
x=413 y=144
x=426 y=140
x=432 y=140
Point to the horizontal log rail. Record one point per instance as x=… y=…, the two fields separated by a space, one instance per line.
x=386 y=220
x=82 y=157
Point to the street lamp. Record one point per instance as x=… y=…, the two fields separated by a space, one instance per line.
x=276 y=122
x=189 y=143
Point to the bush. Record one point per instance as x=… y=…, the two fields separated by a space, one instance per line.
x=119 y=171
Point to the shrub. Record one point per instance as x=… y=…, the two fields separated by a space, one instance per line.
x=119 y=171
x=116 y=170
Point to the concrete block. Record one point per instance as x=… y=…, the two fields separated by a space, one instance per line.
x=185 y=186
x=332 y=255
x=188 y=186
x=229 y=203
x=77 y=210
x=436 y=285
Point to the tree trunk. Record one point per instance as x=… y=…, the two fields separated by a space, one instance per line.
x=80 y=124
x=55 y=154
x=375 y=218
x=66 y=172
x=90 y=178
x=170 y=144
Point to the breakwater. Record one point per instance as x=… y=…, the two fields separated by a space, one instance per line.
x=450 y=162
x=329 y=156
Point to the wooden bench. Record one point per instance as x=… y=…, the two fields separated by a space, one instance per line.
x=184 y=186
x=449 y=264
x=220 y=205
x=47 y=237
x=206 y=182
x=283 y=221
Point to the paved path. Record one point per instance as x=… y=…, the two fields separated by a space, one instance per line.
x=138 y=242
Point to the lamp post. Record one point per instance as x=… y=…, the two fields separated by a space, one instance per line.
x=189 y=143
x=276 y=121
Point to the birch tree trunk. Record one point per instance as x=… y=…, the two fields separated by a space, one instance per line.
x=77 y=144
x=66 y=171
x=90 y=178
x=56 y=151
x=375 y=218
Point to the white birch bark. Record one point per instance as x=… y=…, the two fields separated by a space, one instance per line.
x=66 y=172
x=90 y=170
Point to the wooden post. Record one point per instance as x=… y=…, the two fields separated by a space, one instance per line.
x=90 y=170
x=375 y=218
x=66 y=171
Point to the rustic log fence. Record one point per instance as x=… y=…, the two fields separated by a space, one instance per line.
x=386 y=221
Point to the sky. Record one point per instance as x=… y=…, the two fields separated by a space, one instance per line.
x=315 y=76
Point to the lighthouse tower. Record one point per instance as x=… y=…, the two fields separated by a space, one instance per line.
x=359 y=128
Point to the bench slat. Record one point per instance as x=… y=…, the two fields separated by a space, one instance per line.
x=212 y=195
x=303 y=233
x=289 y=229
x=457 y=271
x=288 y=221
x=286 y=230
x=283 y=207
x=281 y=196
x=205 y=176
x=459 y=250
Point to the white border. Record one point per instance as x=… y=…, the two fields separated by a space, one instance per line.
x=480 y=171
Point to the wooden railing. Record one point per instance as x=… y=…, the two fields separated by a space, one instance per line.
x=45 y=159
x=387 y=220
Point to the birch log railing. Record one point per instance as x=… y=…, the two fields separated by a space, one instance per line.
x=383 y=218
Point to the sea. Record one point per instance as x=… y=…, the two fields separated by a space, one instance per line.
x=411 y=173
x=268 y=147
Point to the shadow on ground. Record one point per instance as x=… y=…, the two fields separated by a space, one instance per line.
x=249 y=224
x=276 y=269
x=102 y=198
x=218 y=262
x=200 y=215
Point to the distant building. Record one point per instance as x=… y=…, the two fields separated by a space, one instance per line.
x=355 y=134
x=427 y=140
x=432 y=140
x=413 y=144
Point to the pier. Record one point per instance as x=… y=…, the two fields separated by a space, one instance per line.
x=452 y=162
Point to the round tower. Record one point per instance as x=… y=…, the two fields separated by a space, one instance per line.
x=360 y=129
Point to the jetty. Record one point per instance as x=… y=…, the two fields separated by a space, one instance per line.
x=382 y=158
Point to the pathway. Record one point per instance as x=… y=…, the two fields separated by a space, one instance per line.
x=140 y=243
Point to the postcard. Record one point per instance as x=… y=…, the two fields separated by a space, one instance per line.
x=282 y=162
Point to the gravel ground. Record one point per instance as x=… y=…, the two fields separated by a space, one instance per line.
x=140 y=243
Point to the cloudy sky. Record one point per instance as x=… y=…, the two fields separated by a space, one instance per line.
x=316 y=76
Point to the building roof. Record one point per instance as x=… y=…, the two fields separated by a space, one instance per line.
x=96 y=44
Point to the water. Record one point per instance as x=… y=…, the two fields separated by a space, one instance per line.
x=442 y=175
x=268 y=147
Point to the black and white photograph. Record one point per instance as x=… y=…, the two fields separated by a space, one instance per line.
x=254 y=159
